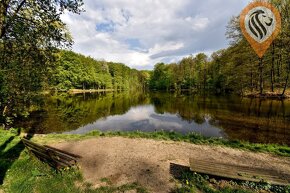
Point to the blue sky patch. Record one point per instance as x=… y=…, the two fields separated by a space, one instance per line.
x=133 y=43
x=108 y=26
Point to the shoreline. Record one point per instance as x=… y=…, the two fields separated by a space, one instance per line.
x=257 y=95
x=267 y=95
x=80 y=91
x=150 y=161
x=192 y=138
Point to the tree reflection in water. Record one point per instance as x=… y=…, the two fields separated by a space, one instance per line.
x=254 y=120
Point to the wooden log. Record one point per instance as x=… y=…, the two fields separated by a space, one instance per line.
x=239 y=172
x=56 y=158
x=56 y=152
x=239 y=169
x=50 y=157
x=73 y=156
x=61 y=156
x=33 y=145
x=49 y=160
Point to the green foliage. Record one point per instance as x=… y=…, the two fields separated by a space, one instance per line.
x=161 y=77
x=191 y=73
x=30 y=32
x=235 y=69
x=75 y=71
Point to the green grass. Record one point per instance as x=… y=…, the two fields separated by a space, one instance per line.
x=281 y=150
x=20 y=172
x=193 y=182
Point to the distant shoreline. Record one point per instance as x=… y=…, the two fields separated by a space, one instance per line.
x=79 y=91
x=266 y=95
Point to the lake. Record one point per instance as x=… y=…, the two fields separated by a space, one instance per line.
x=231 y=117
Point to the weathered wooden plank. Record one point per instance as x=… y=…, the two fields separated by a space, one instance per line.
x=62 y=154
x=241 y=169
x=53 y=156
x=71 y=155
x=49 y=160
x=57 y=152
x=238 y=172
x=50 y=157
x=33 y=145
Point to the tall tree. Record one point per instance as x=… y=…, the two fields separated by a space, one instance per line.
x=30 y=32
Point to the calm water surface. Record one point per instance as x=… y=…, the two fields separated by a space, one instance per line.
x=254 y=120
x=145 y=118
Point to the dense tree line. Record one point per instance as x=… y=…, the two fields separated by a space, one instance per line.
x=189 y=73
x=75 y=71
x=235 y=69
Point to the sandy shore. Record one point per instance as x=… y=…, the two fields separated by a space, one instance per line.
x=124 y=160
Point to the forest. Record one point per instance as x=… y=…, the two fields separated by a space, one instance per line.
x=234 y=69
x=35 y=57
x=75 y=71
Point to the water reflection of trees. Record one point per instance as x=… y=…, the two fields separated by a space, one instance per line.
x=64 y=112
x=256 y=120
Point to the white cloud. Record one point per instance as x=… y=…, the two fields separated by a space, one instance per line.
x=197 y=23
x=142 y=33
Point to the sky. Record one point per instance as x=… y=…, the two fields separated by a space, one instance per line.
x=141 y=33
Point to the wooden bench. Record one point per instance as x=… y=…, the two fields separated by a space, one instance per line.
x=239 y=172
x=54 y=157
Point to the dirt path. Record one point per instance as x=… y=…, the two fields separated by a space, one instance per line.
x=123 y=160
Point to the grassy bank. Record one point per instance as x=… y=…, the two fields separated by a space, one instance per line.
x=281 y=150
x=22 y=173
x=19 y=172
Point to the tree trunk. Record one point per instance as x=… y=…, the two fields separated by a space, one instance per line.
x=261 y=82
x=204 y=77
x=3 y=12
x=252 y=81
x=278 y=65
x=272 y=68
x=285 y=86
x=287 y=78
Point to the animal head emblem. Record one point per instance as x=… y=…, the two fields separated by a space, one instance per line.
x=259 y=24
